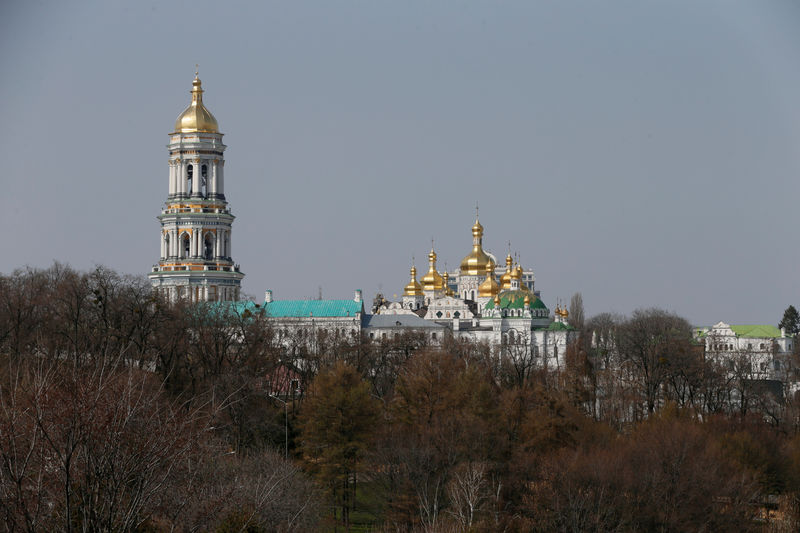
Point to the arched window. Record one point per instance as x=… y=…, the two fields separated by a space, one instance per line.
x=189 y=177
x=208 y=247
x=203 y=180
x=433 y=336
x=511 y=337
x=472 y=295
x=185 y=245
x=166 y=242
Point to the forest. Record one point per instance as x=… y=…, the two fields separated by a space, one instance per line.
x=122 y=412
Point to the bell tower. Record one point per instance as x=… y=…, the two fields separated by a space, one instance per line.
x=195 y=262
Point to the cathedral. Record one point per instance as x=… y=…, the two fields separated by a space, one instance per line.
x=482 y=301
x=479 y=301
x=195 y=262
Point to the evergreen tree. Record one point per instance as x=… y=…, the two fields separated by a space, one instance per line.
x=790 y=321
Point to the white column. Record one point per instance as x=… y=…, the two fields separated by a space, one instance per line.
x=163 y=245
x=221 y=177
x=180 y=172
x=212 y=178
x=196 y=177
x=173 y=171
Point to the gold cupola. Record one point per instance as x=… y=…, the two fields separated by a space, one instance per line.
x=432 y=281
x=413 y=288
x=505 y=279
x=519 y=272
x=475 y=263
x=446 y=278
x=489 y=287
x=196 y=117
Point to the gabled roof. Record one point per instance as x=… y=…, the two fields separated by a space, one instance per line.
x=313 y=308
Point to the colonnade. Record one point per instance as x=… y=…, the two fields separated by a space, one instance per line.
x=172 y=243
x=181 y=186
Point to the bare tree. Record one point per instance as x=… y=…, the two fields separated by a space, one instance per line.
x=576 y=316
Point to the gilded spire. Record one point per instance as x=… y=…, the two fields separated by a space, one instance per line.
x=505 y=279
x=474 y=264
x=196 y=117
x=489 y=287
x=432 y=281
x=413 y=288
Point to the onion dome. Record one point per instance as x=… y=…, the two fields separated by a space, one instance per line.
x=475 y=263
x=445 y=278
x=527 y=300
x=489 y=287
x=496 y=300
x=432 y=281
x=505 y=279
x=413 y=288
x=196 y=117
x=518 y=272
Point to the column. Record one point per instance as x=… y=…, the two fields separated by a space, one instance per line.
x=172 y=178
x=221 y=177
x=212 y=179
x=196 y=177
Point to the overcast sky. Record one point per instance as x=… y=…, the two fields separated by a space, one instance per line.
x=642 y=153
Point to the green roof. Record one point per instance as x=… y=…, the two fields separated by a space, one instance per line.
x=516 y=300
x=758 y=331
x=313 y=308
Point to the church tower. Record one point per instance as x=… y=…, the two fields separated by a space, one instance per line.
x=195 y=262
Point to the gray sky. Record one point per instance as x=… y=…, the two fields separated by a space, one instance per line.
x=642 y=153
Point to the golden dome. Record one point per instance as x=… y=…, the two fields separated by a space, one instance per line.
x=489 y=287
x=196 y=117
x=475 y=263
x=445 y=278
x=413 y=288
x=505 y=279
x=518 y=272
x=496 y=299
x=432 y=281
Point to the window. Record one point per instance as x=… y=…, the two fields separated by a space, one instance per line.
x=763 y=367
x=433 y=336
x=762 y=346
x=189 y=176
x=749 y=345
x=203 y=180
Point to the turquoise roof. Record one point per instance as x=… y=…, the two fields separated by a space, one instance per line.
x=315 y=308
